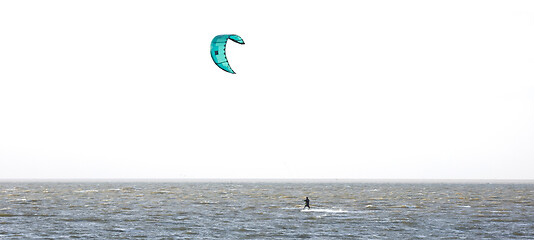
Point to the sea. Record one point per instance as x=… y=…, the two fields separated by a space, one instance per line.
x=266 y=210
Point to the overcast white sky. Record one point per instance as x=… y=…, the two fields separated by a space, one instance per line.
x=324 y=89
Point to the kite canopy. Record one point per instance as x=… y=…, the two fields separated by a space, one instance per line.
x=218 y=50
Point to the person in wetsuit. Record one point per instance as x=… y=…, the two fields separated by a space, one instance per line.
x=307 y=201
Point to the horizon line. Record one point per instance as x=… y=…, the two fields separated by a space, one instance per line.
x=274 y=180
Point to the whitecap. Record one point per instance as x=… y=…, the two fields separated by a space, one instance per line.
x=86 y=191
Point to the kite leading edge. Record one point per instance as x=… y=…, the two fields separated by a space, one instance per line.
x=218 y=50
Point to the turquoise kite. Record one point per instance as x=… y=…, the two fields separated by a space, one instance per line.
x=218 y=50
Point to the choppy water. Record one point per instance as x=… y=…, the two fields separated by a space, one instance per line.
x=266 y=211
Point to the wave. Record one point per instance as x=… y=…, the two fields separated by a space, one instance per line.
x=87 y=191
x=324 y=210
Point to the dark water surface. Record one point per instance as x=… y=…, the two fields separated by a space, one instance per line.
x=241 y=210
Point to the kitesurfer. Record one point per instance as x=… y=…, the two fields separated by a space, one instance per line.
x=307 y=203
